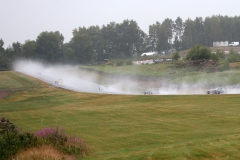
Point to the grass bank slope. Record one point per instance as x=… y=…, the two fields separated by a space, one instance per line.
x=127 y=126
x=15 y=81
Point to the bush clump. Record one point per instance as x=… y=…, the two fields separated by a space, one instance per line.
x=119 y=62
x=129 y=62
x=12 y=140
x=58 y=138
x=199 y=53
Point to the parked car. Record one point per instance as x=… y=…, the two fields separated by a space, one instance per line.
x=217 y=91
x=234 y=44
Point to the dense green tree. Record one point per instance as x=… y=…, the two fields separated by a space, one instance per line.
x=234 y=29
x=153 y=37
x=4 y=58
x=178 y=28
x=4 y=62
x=187 y=37
x=29 y=49
x=1 y=45
x=109 y=43
x=17 y=49
x=130 y=38
x=193 y=33
x=225 y=24
x=213 y=30
x=49 y=46
x=94 y=33
x=198 y=31
x=68 y=54
x=81 y=45
x=165 y=35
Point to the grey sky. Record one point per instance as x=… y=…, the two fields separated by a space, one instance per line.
x=26 y=19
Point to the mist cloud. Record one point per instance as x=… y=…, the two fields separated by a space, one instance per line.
x=73 y=78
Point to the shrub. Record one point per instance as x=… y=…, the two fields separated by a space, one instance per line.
x=119 y=62
x=199 y=53
x=12 y=139
x=220 y=54
x=176 y=56
x=179 y=64
x=224 y=66
x=233 y=56
x=58 y=138
x=129 y=62
x=214 y=57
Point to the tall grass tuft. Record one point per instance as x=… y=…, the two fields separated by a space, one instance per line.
x=42 y=152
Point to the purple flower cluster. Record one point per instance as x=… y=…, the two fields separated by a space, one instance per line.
x=47 y=132
x=59 y=138
x=76 y=141
x=53 y=135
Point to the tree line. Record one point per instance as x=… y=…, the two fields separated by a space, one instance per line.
x=123 y=40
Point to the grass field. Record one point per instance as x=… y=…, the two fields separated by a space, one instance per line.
x=128 y=126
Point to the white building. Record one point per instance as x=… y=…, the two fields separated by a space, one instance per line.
x=149 y=54
x=220 y=44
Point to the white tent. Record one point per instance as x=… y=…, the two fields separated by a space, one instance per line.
x=149 y=54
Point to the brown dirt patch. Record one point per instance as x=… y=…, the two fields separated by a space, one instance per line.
x=3 y=94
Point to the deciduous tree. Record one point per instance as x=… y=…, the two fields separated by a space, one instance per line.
x=165 y=36
x=49 y=46
x=29 y=49
x=1 y=45
x=81 y=45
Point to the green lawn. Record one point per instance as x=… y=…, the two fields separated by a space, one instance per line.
x=128 y=126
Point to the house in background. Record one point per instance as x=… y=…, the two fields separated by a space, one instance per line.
x=220 y=44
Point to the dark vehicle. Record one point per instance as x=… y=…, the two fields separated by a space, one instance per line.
x=216 y=91
x=152 y=91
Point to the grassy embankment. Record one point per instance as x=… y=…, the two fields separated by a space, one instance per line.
x=126 y=126
x=169 y=73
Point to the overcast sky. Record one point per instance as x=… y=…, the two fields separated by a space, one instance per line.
x=22 y=20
